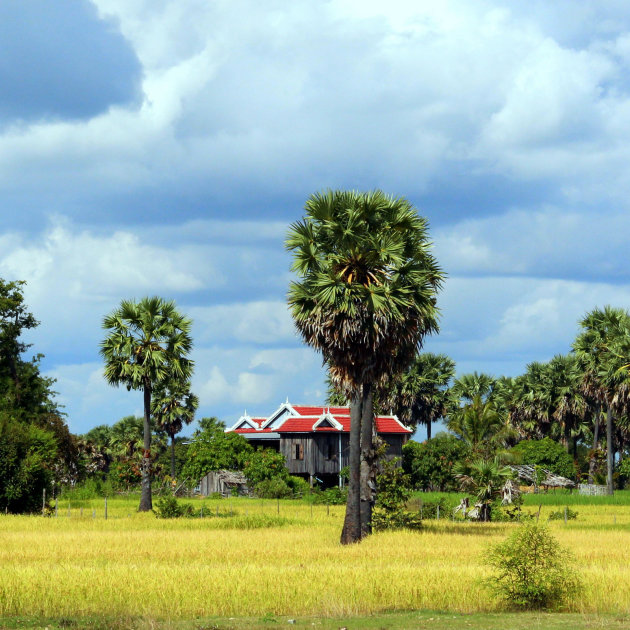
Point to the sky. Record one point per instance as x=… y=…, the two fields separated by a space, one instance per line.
x=162 y=147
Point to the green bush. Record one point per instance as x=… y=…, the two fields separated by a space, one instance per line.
x=532 y=570
x=393 y=493
x=558 y=515
x=330 y=496
x=264 y=464
x=275 y=488
x=169 y=507
x=545 y=453
x=300 y=487
x=430 y=464
x=428 y=509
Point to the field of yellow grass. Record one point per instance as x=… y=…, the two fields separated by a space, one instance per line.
x=252 y=562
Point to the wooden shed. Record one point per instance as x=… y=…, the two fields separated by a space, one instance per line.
x=225 y=482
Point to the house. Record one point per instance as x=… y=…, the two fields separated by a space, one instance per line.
x=315 y=439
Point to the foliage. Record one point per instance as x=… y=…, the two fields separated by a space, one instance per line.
x=124 y=474
x=169 y=507
x=27 y=458
x=430 y=464
x=364 y=297
x=546 y=453
x=480 y=426
x=212 y=449
x=299 y=486
x=484 y=478
x=428 y=508
x=330 y=496
x=264 y=464
x=532 y=570
x=275 y=488
x=393 y=493
x=146 y=347
x=559 y=515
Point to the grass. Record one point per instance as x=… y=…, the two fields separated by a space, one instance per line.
x=264 y=560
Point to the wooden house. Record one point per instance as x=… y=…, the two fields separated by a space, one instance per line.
x=315 y=439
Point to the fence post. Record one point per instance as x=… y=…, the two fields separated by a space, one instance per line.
x=201 y=513
x=44 y=501
x=278 y=505
x=105 y=508
x=565 y=515
x=538 y=515
x=438 y=512
x=56 y=507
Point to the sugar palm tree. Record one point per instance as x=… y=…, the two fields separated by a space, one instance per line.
x=420 y=394
x=599 y=347
x=364 y=298
x=481 y=426
x=147 y=344
x=174 y=406
x=470 y=386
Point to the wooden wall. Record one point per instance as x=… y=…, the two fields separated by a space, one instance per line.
x=320 y=452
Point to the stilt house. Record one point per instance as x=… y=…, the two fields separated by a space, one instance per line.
x=315 y=439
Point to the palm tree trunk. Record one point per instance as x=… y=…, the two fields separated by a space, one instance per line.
x=351 y=531
x=368 y=474
x=173 y=456
x=609 y=449
x=146 y=503
x=591 y=463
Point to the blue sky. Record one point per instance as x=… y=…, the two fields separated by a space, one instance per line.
x=163 y=148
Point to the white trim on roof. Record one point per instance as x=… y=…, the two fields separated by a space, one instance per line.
x=244 y=422
x=330 y=419
x=285 y=409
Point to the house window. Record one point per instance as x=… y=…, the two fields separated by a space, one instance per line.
x=330 y=451
x=298 y=453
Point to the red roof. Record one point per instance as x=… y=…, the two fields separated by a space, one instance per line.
x=310 y=415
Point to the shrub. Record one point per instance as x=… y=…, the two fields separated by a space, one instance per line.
x=169 y=507
x=533 y=571
x=558 y=515
x=546 y=453
x=430 y=464
x=393 y=492
x=331 y=496
x=265 y=464
x=300 y=487
x=273 y=489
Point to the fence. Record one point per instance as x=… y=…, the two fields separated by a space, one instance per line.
x=592 y=489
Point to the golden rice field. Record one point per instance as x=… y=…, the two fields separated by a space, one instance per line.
x=256 y=563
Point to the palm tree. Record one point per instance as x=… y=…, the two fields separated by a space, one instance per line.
x=173 y=407
x=420 y=394
x=470 y=386
x=147 y=344
x=486 y=478
x=365 y=299
x=599 y=348
x=479 y=425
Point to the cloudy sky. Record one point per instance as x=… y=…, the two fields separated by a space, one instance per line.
x=163 y=146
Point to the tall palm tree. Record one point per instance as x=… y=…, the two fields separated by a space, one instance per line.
x=470 y=386
x=365 y=299
x=479 y=425
x=599 y=347
x=147 y=344
x=174 y=406
x=420 y=395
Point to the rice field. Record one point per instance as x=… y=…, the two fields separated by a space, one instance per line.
x=261 y=558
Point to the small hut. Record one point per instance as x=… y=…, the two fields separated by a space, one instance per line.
x=532 y=476
x=224 y=482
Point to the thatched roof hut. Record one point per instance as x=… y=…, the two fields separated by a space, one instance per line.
x=529 y=472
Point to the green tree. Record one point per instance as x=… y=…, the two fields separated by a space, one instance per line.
x=485 y=478
x=174 y=405
x=147 y=344
x=430 y=464
x=213 y=449
x=365 y=298
x=545 y=453
x=604 y=332
x=480 y=426
x=264 y=464
x=420 y=394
